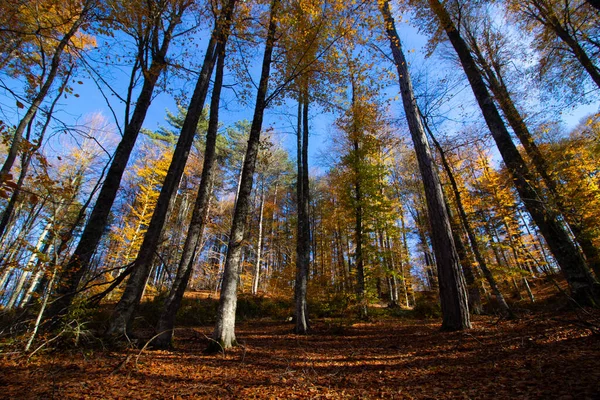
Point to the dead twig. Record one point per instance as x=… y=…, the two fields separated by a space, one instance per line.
x=148 y=342
x=217 y=342
x=46 y=343
x=120 y=365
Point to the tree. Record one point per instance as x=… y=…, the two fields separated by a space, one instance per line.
x=303 y=231
x=487 y=49
x=57 y=35
x=124 y=310
x=566 y=34
x=199 y=214
x=455 y=310
x=153 y=36
x=582 y=284
x=470 y=233
x=224 y=333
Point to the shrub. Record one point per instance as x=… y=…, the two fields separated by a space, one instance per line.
x=427 y=305
x=196 y=312
x=335 y=306
x=250 y=307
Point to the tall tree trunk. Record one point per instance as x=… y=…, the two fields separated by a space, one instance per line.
x=467 y=226
x=96 y=225
x=404 y=260
x=224 y=333
x=517 y=123
x=132 y=295
x=259 y=242
x=455 y=308
x=358 y=215
x=199 y=214
x=303 y=235
x=583 y=286
x=358 y=239
x=385 y=245
x=474 y=296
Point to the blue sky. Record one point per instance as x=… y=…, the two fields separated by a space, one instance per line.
x=282 y=117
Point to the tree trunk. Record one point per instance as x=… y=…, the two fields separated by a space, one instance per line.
x=404 y=260
x=224 y=333
x=199 y=214
x=358 y=214
x=529 y=292
x=259 y=243
x=582 y=283
x=303 y=235
x=132 y=295
x=455 y=308
x=96 y=225
x=474 y=296
x=519 y=127
x=358 y=238
x=470 y=233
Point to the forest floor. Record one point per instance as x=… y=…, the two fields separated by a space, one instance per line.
x=541 y=355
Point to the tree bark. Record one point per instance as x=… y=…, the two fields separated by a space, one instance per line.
x=455 y=309
x=303 y=234
x=96 y=225
x=199 y=215
x=124 y=311
x=470 y=233
x=259 y=242
x=358 y=212
x=582 y=283
x=513 y=116
x=224 y=333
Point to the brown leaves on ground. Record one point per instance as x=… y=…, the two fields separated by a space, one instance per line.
x=539 y=357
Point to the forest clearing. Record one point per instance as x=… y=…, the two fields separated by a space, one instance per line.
x=544 y=354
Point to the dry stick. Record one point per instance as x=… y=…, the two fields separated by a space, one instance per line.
x=121 y=364
x=148 y=342
x=43 y=344
x=41 y=313
x=217 y=342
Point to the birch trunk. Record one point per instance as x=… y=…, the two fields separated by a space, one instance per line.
x=259 y=243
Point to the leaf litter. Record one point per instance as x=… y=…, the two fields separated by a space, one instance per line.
x=538 y=356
